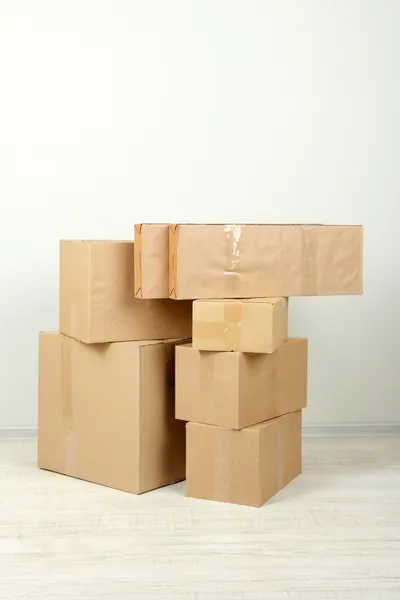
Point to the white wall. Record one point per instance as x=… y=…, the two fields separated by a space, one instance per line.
x=120 y=111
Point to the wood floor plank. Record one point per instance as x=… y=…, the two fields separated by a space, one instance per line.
x=334 y=533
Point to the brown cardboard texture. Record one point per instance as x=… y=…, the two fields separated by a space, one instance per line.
x=97 y=298
x=264 y=261
x=235 y=389
x=151 y=260
x=253 y=325
x=106 y=412
x=243 y=467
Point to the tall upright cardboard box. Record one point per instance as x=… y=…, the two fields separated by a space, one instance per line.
x=106 y=412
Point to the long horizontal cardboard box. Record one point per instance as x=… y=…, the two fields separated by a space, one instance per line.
x=151 y=260
x=243 y=467
x=97 y=297
x=106 y=412
x=234 y=389
x=249 y=261
x=252 y=325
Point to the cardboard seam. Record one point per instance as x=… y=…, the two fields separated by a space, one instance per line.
x=260 y=469
x=223 y=465
x=238 y=380
x=280 y=453
x=139 y=419
x=89 y=290
x=137 y=261
x=309 y=253
x=172 y=261
x=67 y=408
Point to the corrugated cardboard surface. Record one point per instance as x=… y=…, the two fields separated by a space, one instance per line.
x=253 y=325
x=106 y=412
x=236 y=390
x=243 y=467
x=97 y=299
x=151 y=260
x=244 y=261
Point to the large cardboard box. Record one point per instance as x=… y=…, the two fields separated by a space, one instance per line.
x=234 y=389
x=243 y=467
x=253 y=325
x=249 y=261
x=151 y=260
x=106 y=412
x=97 y=297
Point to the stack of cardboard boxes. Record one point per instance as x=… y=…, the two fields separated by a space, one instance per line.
x=106 y=380
x=234 y=383
x=242 y=384
x=106 y=397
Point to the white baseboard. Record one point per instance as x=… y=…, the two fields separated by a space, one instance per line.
x=339 y=430
x=18 y=433
x=353 y=430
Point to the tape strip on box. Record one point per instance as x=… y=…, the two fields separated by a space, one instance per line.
x=206 y=371
x=233 y=234
x=309 y=260
x=172 y=268
x=280 y=455
x=223 y=465
x=229 y=330
x=67 y=408
x=230 y=333
x=137 y=259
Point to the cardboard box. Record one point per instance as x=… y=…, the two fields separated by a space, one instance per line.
x=254 y=325
x=233 y=389
x=97 y=298
x=151 y=260
x=243 y=467
x=262 y=261
x=106 y=412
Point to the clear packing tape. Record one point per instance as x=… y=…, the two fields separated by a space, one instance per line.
x=233 y=234
x=223 y=470
x=280 y=456
x=229 y=329
x=229 y=326
x=71 y=447
x=308 y=268
x=73 y=320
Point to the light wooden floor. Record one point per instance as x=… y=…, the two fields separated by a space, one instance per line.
x=334 y=533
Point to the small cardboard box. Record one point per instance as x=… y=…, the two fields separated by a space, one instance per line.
x=97 y=297
x=243 y=467
x=234 y=389
x=264 y=261
x=254 y=325
x=106 y=412
x=151 y=260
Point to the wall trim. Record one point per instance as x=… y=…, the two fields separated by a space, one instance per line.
x=18 y=433
x=339 y=430
x=353 y=430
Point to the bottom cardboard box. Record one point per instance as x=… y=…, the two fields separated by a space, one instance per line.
x=106 y=412
x=243 y=467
